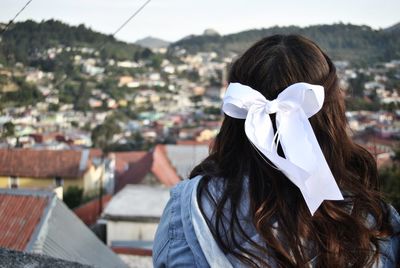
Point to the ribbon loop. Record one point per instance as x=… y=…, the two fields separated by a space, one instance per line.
x=304 y=163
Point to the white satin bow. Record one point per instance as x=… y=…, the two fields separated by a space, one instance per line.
x=305 y=164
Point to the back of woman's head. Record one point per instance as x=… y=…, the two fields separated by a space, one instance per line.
x=338 y=233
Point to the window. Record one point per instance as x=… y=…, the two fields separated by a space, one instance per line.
x=13 y=182
x=58 y=181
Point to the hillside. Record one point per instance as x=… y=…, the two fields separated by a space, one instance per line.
x=358 y=44
x=152 y=42
x=76 y=60
x=394 y=28
x=24 y=41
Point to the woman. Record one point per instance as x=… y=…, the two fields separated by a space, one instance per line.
x=279 y=190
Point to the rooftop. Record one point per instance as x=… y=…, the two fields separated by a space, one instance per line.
x=137 y=202
x=38 y=222
x=20 y=214
x=45 y=163
x=11 y=258
x=90 y=211
x=132 y=167
x=185 y=157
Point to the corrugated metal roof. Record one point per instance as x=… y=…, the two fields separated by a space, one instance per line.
x=19 y=216
x=63 y=235
x=185 y=157
x=51 y=229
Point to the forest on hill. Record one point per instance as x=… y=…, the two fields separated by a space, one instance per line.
x=354 y=43
x=25 y=41
x=357 y=44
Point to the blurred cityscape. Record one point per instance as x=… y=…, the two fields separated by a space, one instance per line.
x=100 y=129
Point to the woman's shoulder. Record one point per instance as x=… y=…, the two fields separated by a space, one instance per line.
x=175 y=243
x=184 y=186
x=390 y=246
x=171 y=226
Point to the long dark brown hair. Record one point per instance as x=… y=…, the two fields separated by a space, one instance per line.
x=338 y=233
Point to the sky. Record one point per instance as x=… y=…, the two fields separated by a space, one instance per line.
x=172 y=20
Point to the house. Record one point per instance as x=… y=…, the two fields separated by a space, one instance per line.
x=135 y=167
x=387 y=130
x=38 y=222
x=147 y=96
x=206 y=135
x=38 y=169
x=165 y=164
x=132 y=217
x=90 y=211
x=382 y=149
x=94 y=103
x=124 y=80
x=382 y=153
x=143 y=167
x=128 y=64
x=184 y=157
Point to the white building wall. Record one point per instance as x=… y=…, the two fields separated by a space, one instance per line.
x=127 y=231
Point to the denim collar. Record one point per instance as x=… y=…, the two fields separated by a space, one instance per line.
x=214 y=255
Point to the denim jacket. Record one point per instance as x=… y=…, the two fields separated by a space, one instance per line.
x=176 y=242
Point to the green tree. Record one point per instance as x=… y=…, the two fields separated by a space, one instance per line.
x=54 y=107
x=390 y=181
x=390 y=178
x=356 y=85
x=82 y=96
x=72 y=197
x=102 y=134
x=26 y=94
x=156 y=61
x=135 y=143
x=196 y=99
x=8 y=130
x=26 y=41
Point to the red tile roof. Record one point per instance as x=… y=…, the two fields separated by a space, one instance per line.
x=134 y=171
x=162 y=167
x=42 y=137
x=90 y=211
x=132 y=167
x=375 y=150
x=43 y=163
x=19 y=216
x=132 y=251
x=95 y=152
x=215 y=124
x=193 y=142
x=124 y=159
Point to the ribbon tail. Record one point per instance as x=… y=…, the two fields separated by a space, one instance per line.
x=302 y=149
x=259 y=131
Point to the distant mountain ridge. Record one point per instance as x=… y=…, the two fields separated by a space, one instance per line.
x=152 y=42
x=393 y=28
x=356 y=43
